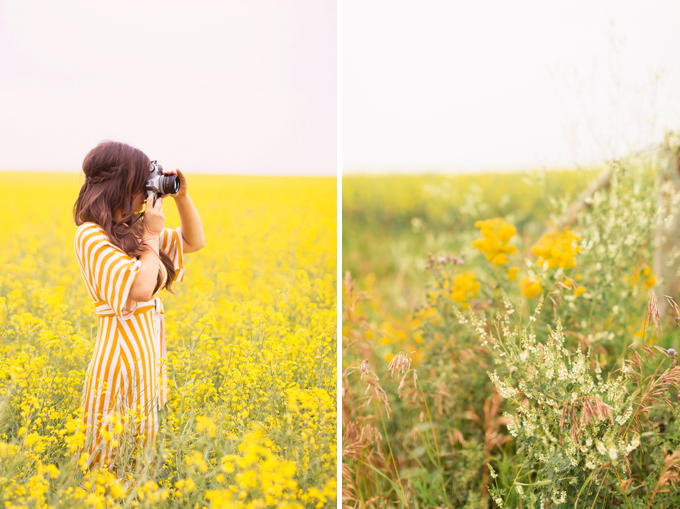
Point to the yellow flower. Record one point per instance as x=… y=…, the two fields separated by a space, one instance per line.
x=465 y=287
x=227 y=465
x=531 y=287
x=649 y=278
x=578 y=291
x=512 y=273
x=557 y=247
x=643 y=276
x=52 y=471
x=496 y=235
x=117 y=489
x=205 y=424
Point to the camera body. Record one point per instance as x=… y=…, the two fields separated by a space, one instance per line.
x=159 y=184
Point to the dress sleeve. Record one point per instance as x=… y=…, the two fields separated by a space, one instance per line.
x=172 y=244
x=109 y=271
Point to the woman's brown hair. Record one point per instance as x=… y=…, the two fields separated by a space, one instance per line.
x=114 y=174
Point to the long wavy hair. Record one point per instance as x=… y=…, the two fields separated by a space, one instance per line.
x=114 y=174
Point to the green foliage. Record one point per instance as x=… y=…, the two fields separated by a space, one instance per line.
x=541 y=382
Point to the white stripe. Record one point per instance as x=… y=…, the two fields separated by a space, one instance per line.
x=139 y=334
x=101 y=337
x=80 y=233
x=109 y=355
x=97 y=254
x=101 y=359
x=151 y=340
x=116 y=275
x=134 y=360
x=125 y=374
x=118 y=293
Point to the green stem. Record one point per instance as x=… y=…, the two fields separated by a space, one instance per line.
x=434 y=437
x=396 y=470
x=598 y=490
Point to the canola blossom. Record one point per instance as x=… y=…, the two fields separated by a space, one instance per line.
x=495 y=242
x=251 y=353
x=558 y=248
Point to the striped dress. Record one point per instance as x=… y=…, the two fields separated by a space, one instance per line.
x=127 y=371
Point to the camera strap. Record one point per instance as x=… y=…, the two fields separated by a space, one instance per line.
x=138 y=218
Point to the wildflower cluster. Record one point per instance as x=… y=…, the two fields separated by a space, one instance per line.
x=574 y=425
x=557 y=248
x=579 y=407
x=495 y=241
x=464 y=286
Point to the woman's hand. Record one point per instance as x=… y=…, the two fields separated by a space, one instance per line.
x=154 y=220
x=182 y=183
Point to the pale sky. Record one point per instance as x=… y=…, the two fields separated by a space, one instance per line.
x=461 y=86
x=242 y=87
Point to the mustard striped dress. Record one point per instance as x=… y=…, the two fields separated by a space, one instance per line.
x=127 y=370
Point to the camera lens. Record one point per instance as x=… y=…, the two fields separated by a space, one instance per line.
x=169 y=184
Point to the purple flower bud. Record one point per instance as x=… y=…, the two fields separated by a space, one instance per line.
x=671 y=352
x=461 y=261
x=442 y=259
x=489 y=302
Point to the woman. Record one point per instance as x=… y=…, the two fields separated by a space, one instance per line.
x=125 y=264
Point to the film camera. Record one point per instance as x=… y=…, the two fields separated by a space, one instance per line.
x=159 y=184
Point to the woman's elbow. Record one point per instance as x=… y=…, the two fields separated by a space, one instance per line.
x=192 y=248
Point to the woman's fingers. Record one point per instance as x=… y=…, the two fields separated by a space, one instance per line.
x=182 y=181
x=158 y=206
x=154 y=217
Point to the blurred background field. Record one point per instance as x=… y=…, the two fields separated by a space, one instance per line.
x=391 y=222
x=251 y=341
x=453 y=289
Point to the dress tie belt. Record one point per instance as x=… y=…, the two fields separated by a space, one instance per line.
x=160 y=369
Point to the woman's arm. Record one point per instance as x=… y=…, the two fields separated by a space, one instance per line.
x=143 y=287
x=192 y=229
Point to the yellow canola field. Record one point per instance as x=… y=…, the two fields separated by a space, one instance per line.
x=251 y=341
